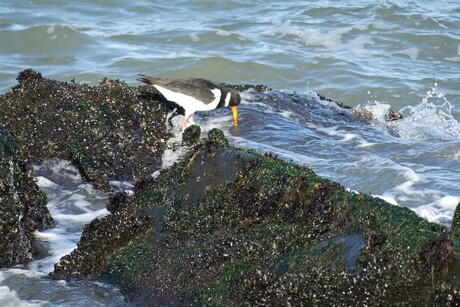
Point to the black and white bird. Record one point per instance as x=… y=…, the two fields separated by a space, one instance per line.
x=195 y=94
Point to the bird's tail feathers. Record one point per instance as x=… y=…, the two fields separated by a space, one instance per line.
x=150 y=80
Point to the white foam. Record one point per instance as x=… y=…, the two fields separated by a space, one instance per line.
x=453 y=59
x=378 y=25
x=364 y=144
x=428 y=213
x=71 y=207
x=311 y=37
x=412 y=178
x=411 y=52
x=440 y=211
x=331 y=131
x=51 y=29
x=80 y=218
x=448 y=203
x=174 y=151
x=348 y=137
x=195 y=38
x=43 y=182
x=357 y=45
x=9 y=297
x=122 y=186
x=22 y=288
x=388 y=199
x=430 y=119
x=57 y=170
x=223 y=33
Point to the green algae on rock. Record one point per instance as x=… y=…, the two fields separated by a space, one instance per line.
x=191 y=135
x=234 y=227
x=22 y=206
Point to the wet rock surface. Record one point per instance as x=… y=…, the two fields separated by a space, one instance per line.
x=234 y=227
x=22 y=206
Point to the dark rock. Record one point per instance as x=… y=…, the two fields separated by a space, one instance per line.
x=191 y=135
x=437 y=254
x=89 y=168
x=217 y=138
x=392 y=116
x=375 y=239
x=363 y=114
x=258 y=88
x=367 y=115
x=121 y=202
x=109 y=131
x=22 y=206
x=28 y=75
x=234 y=227
x=456 y=219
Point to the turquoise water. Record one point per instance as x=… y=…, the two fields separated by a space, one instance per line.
x=372 y=55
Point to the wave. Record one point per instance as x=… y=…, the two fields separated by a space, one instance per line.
x=430 y=120
x=44 y=39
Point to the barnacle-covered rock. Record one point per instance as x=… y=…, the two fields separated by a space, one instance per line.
x=109 y=131
x=22 y=206
x=191 y=135
x=234 y=227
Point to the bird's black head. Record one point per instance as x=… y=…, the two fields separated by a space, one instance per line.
x=235 y=98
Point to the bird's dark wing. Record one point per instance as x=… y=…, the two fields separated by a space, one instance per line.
x=199 y=88
x=195 y=87
x=152 y=80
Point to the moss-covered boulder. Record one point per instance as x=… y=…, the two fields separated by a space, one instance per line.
x=109 y=131
x=22 y=206
x=191 y=135
x=234 y=227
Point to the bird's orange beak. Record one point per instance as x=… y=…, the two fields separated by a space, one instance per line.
x=235 y=115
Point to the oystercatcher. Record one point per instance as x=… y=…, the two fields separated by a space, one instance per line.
x=195 y=94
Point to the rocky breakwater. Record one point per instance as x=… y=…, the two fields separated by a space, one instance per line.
x=22 y=206
x=223 y=226
x=234 y=227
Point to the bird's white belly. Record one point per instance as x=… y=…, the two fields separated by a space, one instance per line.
x=189 y=103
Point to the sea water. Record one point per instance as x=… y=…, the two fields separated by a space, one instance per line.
x=72 y=204
x=370 y=55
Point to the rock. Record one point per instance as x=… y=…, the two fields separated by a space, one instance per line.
x=437 y=254
x=456 y=218
x=258 y=88
x=234 y=227
x=111 y=131
x=223 y=225
x=392 y=116
x=191 y=135
x=22 y=206
x=217 y=138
